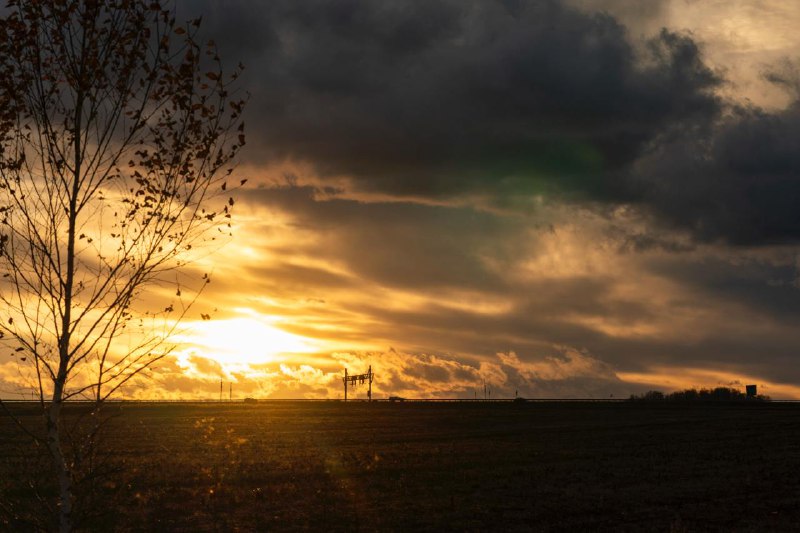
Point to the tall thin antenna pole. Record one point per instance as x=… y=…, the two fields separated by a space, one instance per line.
x=220 y=390
x=369 y=392
x=230 y=391
x=345 y=384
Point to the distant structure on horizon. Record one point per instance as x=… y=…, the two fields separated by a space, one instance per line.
x=353 y=379
x=230 y=391
x=751 y=390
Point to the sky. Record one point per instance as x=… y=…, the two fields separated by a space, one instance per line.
x=555 y=198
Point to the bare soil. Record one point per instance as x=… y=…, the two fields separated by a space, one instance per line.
x=473 y=466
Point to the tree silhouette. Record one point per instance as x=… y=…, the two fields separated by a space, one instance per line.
x=117 y=129
x=718 y=394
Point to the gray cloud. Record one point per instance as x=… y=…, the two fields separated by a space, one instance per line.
x=739 y=184
x=448 y=98
x=764 y=285
x=705 y=307
x=445 y=97
x=560 y=372
x=403 y=244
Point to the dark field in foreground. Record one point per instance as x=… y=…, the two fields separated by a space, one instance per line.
x=444 y=466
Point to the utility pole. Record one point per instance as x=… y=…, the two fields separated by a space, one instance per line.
x=359 y=378
x=369 y=392
x=220 y=391
x=230 y=391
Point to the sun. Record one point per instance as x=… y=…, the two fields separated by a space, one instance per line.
x=244 y=340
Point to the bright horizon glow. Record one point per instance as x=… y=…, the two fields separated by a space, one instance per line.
x=243 y=340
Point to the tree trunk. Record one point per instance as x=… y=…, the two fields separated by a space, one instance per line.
x=59 y=462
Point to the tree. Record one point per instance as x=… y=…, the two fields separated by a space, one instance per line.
x=117 y=131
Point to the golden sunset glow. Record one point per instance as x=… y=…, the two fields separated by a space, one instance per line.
x=248 y=340
x=607 y=190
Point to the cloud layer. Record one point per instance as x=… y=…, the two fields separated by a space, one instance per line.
x=448 y=99
x=566 y=196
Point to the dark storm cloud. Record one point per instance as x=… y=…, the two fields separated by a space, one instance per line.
x=443 y=97
x=636 y=13
x=740 y=184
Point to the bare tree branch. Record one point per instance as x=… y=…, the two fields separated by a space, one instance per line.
x=117 y=132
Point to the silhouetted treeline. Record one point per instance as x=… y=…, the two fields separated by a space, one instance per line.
x=719 y=394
